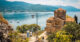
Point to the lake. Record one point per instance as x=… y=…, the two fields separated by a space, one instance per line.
x=20 y=18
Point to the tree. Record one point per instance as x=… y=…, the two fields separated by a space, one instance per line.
x=62 y=36
x=15 y=37
x=70 y=32
x=34 y=27
x=22 y=28
x=76 y=18
x=74 y=29
x=79 y=23
x=51 y=37
x=31 y=27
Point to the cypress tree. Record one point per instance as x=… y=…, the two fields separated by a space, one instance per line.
x=76 y=19
x=79 y=23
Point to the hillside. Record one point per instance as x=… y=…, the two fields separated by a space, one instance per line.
x=22 y=6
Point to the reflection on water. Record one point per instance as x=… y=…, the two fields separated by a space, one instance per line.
x=16 y=19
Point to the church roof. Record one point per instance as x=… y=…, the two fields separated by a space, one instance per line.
x=70 y=19
x=60 y=9
x=51 y=18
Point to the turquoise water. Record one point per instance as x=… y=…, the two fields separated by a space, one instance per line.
x=21 y=18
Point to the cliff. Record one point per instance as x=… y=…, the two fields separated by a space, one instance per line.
x=5 y=28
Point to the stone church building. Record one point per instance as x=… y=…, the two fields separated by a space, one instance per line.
x=57 y=22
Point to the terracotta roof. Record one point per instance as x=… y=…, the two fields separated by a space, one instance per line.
x=51 y=18
x=70 y=19
x=60 y=9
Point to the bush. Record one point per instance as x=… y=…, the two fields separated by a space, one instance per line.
x=62 y=36
x=24 y=28
x=73 y=29
x=16 y=38
x=69 y=33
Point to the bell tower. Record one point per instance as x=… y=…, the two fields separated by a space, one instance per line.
x=60 y=13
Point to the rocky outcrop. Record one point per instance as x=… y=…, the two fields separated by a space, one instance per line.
x=5 y=28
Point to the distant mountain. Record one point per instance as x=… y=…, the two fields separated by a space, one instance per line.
x=22 y=6
x=69 y=8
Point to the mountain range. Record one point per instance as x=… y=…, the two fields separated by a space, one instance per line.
x=22 y=6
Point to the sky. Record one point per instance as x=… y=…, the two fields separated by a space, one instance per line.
x=74 y=3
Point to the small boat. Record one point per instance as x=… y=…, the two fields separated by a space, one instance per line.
x=18 y=22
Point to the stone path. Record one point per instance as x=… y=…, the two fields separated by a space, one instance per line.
x=33 y=38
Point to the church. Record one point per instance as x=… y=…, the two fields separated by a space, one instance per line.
x=58 y=21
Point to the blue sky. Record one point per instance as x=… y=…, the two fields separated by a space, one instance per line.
x=74 y=3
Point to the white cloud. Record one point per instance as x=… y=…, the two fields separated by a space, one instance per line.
x=74 y=3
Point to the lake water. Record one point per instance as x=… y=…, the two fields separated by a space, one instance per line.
x=20 y=18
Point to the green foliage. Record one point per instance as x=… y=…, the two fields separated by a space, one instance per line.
x=69 y=33
x=50 y=37
x=16 y=38
x=73 y=29
x=62 y=36
x=24 y=28
x=77 y=41
x=34 y=27
x=79 y=23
